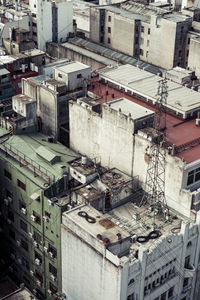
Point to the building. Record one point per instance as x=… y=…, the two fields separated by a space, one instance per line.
x=184 y=77
x=6 y=89
x=193 y=59
x=145 y=30
x=53 y=94
x=60 y=21
x=124 y=258
x=34 y=185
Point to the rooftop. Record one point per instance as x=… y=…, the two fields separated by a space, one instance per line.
x=127 y=108
x=85 y=169
x=114 y=178
x=24 y=148
x=72 y=67
x=24 y=99
x=180 y=99
x=178 y=132
x=4 y=72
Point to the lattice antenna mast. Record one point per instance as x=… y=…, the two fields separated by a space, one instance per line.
x=155 y=179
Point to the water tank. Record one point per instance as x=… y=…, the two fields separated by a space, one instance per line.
x=84 y=160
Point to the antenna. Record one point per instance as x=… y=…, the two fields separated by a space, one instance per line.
x=154 y=193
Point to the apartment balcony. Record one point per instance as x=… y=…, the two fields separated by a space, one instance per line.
x=189 y=271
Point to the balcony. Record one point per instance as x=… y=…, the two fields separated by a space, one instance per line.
x=189 y=271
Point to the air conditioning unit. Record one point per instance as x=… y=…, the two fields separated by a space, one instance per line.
x=33 y=218
x=19 y=261
x=51 y=254
x=46 y=220
x=35 y=243
x=38 y=282
x=31 y=272
x=133 y=238
x=9 y=199
x=50 y=292
x=12 y=255
x=30 y=235
x=49 y=202
x=53 y=277
x=23 y=210
x=69 y=206
x=37 y=261
x=9 y=221
x=6 y=201
x=45 y=249
x=18 y=243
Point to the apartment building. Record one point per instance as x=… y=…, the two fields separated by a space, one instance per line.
x=151 y=34
x=34 y=185
x=122 y=258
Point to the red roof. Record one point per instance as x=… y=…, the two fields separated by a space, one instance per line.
x=178 y=131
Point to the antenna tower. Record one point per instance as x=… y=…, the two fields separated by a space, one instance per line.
x=154 y=193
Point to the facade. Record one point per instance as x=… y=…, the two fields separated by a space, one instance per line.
x=193 y=59
x=114 y=253
x=33 y=173
x=145 y=30
x=60 y=21
x=6 y=89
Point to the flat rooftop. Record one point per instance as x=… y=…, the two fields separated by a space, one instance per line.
x=4 y=72
x=136 y=111
x=178 y=131
x=114 y=178
x=85 y=169
x=180 y=100
x=24 y=99
x=72 y=67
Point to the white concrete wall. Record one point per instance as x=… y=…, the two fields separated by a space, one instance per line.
x=65 y=20
x=86 y=273
x=44 y=23
x=194 y=60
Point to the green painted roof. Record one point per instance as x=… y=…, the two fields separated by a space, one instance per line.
x=47 y=155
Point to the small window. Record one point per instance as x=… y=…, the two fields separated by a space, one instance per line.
x=53 y=288
x=130 y=297
x=47 y=214
x=179 y=53
x=109 y=29
x=24 y=245
x=187 y=53
x=38 y=256
x=38 y=276
x=59 y=75
x=37 y=237
x=131 y=281
x=35 y=5
x=141 y=52
x=185 y=282
x=171 y=292
x=11 y=216
x=23 y=226
x=7 y=174
x=108 y=40
x=163 y=296
x=52 y=270
x=142 y=28
x=109 y=18
x=53 y=250
x=22 y=204
x=37 y=218
x=188 y=41
x=21 y=184
x=149 y=31
x=79 y=75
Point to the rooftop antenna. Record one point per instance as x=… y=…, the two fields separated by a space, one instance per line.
x=154 y=193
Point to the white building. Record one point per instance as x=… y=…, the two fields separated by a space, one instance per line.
x=117 y=256
x=51 y=21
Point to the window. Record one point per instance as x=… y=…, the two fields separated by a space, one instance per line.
x=185 y=282
x=38 y=256
x=53 y=288
x=52 y=270
x=109 y=30
x=37 y=218
x=7 y=174
x=188 y=41
x=131 y=281
x=35 y=5
x=24 y=245
x=23 y=226
x=187 y=52
x=130 y=297
x=22 y=204
x=141 y=52
x=10 y=215
x=53 y=250
x=12 y=234
x=37 y=237
x=34 y=33
x=21 y=184
x=179 y=53
x=34 y=15
x=79 y=75
x=163 y=296
x=170 y=292
x=189 y=244
x=149 y=31
x=47 y=214
x=141 y=41
x=59 y=75
x=102 y=28
x=109 y=18
x=147 y=42
x=101 y=39
x=187 y=261
x=108 y=40
x=38 y=276
x=142 y=28
x=193 y=176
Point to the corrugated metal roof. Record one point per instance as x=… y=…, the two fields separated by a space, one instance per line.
x=112 y=54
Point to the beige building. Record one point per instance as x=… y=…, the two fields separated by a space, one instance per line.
x=149 y=33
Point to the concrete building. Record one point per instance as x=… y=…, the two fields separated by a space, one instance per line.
x=112 y=137
x=34 y=185
x=145 y=30
x=53 y=94
x=193 y=59
x=184 y=77
x=6 y=89
x=60 y=21
x=123 y=259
